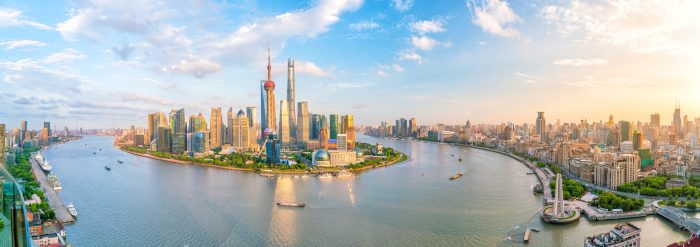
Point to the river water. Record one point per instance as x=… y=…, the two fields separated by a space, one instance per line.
x=146 y=202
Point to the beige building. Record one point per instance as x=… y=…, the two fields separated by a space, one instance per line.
x=240 y=132
x=216 y=129
x=335 y=158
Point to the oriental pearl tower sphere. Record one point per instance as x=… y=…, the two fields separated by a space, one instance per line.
x=269 y=87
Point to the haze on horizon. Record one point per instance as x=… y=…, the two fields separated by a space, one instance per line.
x=106 y=64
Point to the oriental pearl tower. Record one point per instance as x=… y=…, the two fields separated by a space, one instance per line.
x=269 y=87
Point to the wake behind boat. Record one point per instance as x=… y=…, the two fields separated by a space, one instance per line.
x=291 y=204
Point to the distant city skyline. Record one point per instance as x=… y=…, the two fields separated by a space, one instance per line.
x=486 y=61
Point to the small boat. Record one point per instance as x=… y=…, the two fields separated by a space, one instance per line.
x=94 y=152
x=120 y=162
x=456 y=176
x=100 y=149
x=460 y=158
x=71 y=210
x=535 y=229
x=531 y=173
x=292 y=204
x=267 y=175
x=344 y=173
x=108 y=168
x=324 y=175
x=452 y=155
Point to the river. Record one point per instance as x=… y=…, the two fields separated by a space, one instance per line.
x=146 y=202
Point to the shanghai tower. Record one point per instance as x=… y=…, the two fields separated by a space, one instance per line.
x=290 y=98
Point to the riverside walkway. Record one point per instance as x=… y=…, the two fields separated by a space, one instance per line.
x=54 y=200
x=679 y=218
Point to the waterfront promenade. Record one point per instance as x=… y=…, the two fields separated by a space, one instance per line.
x=62 y=214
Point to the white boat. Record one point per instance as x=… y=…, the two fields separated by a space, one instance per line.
x=53 y=181
x=71 y=210
x=324 y=175
x=46 y=166
x=345 y=173
x=39 y=158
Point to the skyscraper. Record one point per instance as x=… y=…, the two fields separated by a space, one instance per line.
x=677 y=124
x=303 y=122
x=637 y=140
x=23 y=131
x=284 y=131
x=179 y=131
x=655 y=120
x=2 y=144
x=269 y=86
x=315 y=126
x=229 y=123
x=323 y=138
x=333 y=126
x=152 y=126
x=541 y=127
x=251 y=114
x=240 y=131
x=216 y=130
x=164 y=139
x=625 y=131
x=290 y=98
x=47 y=125
x=263 y=106
x=197 y=124
x=350 y=131
x=413 y=127
x=342 y=143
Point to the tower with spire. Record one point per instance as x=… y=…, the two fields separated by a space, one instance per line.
x=269 y=86
x=290 y=98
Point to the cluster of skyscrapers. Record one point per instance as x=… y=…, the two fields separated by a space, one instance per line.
x=291 y=127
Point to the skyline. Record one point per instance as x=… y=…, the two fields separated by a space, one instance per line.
x=351 y=57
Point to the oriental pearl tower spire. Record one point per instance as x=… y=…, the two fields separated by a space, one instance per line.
x=269 y=87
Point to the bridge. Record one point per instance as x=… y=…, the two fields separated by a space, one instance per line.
x=679 y=218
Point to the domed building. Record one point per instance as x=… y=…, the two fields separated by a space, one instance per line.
x=321 y=158
x=359 y=154
x=335 y=158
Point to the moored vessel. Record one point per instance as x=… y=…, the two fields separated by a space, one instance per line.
x=46 y=166
x=291 y=204
x=71 y=210
x=324 y=175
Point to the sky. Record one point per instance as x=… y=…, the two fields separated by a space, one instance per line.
x=105 y=64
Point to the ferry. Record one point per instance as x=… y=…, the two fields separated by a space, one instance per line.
x=345 y=173
x=53 y=181
x=46 y=166
x=324 y=175
x=456 y=176
x=291 y=204
x=71 y=210
x=108 y=168
x=39 y=158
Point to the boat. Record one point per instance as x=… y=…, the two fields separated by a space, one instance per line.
x=100 y=149
x=94 y=152
x=46 y=166
x=39 y=158
x=120 y=162
x=108 y=168
x=291 y=204
x=267 y=175
x=460 y=158
x=456 y=176
x=53 y=181
x=535 y=229
x=71 y=210
x=531 y=173
x=324 y=175
x=344 y=173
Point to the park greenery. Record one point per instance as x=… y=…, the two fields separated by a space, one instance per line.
x=22 y=172
x=689 y=204
x=572 y=188
x=389 y=154
x=2 y=224
x=43 y=209
x=656 y=186
x=611 y=201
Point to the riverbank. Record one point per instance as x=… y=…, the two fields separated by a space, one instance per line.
x=400 y=159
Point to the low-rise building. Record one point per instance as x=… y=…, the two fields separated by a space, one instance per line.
x=627 y=235
x=676 y=183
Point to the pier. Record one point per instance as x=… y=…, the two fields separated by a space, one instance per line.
x=679 y=218
x=62 y=214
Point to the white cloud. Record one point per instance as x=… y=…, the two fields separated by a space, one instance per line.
x=161 y=85
x=397 y=68
x=142 y=98
x=309 y=68
x=410 y=56
x=350 y=85
x=581 y=62
x=423 y=42
x=13 y=17
x=364 y=25
x=644 y=26
x=495 y=17
x=65 y=55
x=382 y=73
x=13 y=44
x=197 y=67
x=32 y=74
x=425 y=26
x=402 y=5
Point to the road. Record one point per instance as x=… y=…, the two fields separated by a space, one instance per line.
x=54 y=200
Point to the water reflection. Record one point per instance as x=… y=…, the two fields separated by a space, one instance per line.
x=283 y=220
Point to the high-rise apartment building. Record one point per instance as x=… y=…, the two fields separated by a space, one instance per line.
x=164 y=140
x=349 y=131
x=23 y=131
x=637 y=140
x=655 y=120
x=290 y=99
x=625 y=131
x=216 y=130
x=229 y=123
x=413 y=127
x=677 y=124
x=284 y=132
x=303 y=122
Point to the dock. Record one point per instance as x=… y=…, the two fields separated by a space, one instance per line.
x=62 y=214
x=596 y=215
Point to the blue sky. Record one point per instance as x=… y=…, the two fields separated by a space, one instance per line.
x=109 y=63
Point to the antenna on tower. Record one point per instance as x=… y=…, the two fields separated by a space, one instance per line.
x=269 y=75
